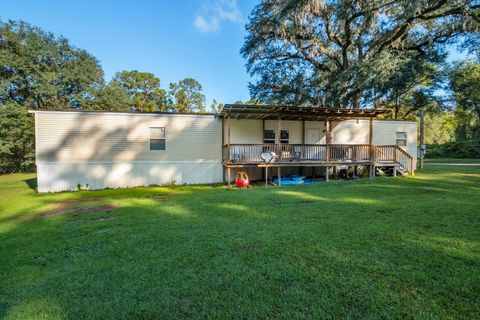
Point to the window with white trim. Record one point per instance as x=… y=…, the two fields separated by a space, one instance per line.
x=284 y=136
x=269 y=136
x=401 y=139
x=157 y=138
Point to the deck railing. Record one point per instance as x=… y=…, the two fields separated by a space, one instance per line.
x=342 y=153
x=250 y=153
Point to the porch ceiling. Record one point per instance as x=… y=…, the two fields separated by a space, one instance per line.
x=272 y=112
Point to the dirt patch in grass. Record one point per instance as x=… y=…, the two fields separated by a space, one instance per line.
x=70 y=207
x=81 y=200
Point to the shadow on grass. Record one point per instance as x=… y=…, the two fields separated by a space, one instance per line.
x=338 y=251
x=32 y=183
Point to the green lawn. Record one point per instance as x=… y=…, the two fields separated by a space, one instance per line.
x=451 y=160
x=400 y=248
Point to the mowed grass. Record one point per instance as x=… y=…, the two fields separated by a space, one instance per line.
x=400 y=248
x=451 y=160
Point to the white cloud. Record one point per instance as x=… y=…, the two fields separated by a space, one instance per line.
x=215 y=12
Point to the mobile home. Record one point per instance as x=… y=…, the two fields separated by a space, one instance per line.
x=96 y=150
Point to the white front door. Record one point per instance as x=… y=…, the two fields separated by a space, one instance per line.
x=313 y=136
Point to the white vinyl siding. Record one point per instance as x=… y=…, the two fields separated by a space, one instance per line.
x=109 y=150
x=243 y=131
x=124 y=137
x=56 y=176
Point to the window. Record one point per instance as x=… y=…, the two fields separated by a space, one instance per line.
x=401 y=139
x=284 y=136
x=157 y=138
x=269 y=136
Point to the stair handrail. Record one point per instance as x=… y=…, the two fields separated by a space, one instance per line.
x=410 y=165
x=400 y=157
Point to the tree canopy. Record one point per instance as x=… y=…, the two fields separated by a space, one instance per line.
x=335 y=53
x=41 y=71
x=17 y=141
x=186 y=96
x=465 y=84
x=143 y=90
x=464 y=81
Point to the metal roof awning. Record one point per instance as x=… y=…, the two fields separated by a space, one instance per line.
x=271 y=112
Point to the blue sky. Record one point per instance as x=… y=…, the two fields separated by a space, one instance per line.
x=172 y=39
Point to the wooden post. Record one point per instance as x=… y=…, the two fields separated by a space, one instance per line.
x=422 y=136
x=326 y=174
x=266 y=176
x=412 y=166
x=370 y=140
x=265 y=170
x=223 y=145
x=277 y=138
x=279 y=176
x=228 y=140
x=327 y=140
x=223 y=132
x=303 y=141
x=395 y=170
x=229 y=176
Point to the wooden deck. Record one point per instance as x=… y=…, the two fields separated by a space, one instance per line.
x=317 y=155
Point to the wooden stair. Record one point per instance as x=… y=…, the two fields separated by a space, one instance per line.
x=394 y=157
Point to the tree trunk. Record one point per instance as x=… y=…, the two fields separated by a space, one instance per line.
x=356 y=99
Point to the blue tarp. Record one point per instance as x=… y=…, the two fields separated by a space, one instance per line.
x=293 y=180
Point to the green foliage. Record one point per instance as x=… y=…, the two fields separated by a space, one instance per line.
x=455 y=149
x=143 y=89
x=111 y=97
x=186 y=96
x=340 y=53
x=17 y=152
x=410 y=88
x=250 y=101
x=440 y=127
x=216 y=107
x=465 y=86
x=40 y=71
x=386 y=248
